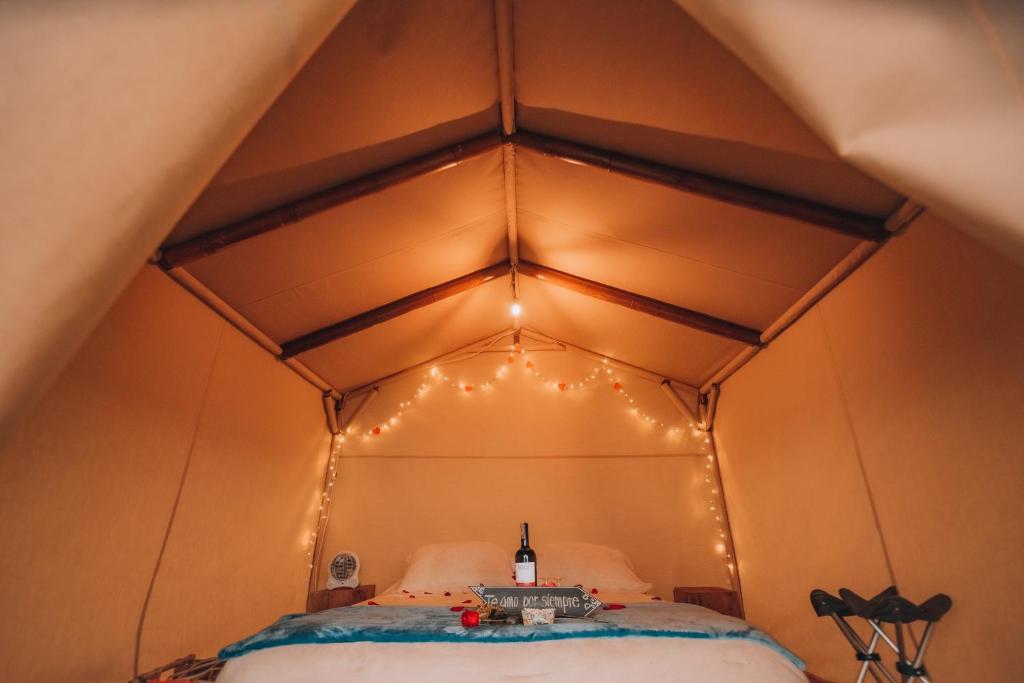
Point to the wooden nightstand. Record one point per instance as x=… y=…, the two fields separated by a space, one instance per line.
x=339 y=597
x=721 y=600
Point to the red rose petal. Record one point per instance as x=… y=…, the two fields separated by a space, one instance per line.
x=427 y=593
x=404 y=591
x=458 y=608
x=447 y=594
x=467 y=602
x=656 y=598
x=614 y=606
x=593 y=591
x=371 y=602
x=412 y=596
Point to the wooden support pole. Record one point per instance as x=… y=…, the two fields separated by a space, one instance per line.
x=730 y=545
x=643 y=304
x=391 y=310
x=673 y=397
x=331 y=411
x=712 y=407
x=221 y=308
x=506 y=64
x=293 y=212
x=849 y=223
x=508 y=153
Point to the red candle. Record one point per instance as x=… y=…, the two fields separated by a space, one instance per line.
x=470 y=618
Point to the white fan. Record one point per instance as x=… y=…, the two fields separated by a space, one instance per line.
x=344 y=570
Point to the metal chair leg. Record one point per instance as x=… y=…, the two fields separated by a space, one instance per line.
x=866 y=664
x=865 y=652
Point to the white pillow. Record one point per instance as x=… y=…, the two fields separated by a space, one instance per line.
x=589 y=565
x=440 y=567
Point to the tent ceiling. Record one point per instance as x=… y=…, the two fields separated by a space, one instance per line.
x=413 y=338
x=643 y=78
x=721 y=259
x=398 y=79
x=394 y=80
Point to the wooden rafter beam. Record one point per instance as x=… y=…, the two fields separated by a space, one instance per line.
x=294 y=211
x=391 y=310
x=850 y=223
x=643 y=304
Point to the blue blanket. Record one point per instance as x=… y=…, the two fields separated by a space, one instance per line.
x=441 y=625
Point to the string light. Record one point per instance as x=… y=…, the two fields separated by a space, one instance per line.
x=325 y=495
x=516 y=309
x=601 y=371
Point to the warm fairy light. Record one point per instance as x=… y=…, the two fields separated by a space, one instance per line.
x=516 y=309
x=325 y=496
x=601 y=371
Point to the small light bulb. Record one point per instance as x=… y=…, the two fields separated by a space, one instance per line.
x=516 y=309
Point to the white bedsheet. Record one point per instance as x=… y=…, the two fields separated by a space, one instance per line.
x=593 y=659
x=580 y=659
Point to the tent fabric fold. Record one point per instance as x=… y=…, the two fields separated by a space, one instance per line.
x=925 y=96
x=115 y=116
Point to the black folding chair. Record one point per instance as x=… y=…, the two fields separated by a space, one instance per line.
x=888 y=607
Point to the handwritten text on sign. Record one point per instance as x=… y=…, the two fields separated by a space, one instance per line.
x=568 y=602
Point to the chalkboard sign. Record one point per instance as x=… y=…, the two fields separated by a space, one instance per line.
x=568 y=602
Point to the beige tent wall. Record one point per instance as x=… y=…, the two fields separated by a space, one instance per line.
x=88 y=481
x=576 y=465
x=902 y=387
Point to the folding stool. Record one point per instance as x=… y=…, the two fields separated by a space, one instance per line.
x=888 y=607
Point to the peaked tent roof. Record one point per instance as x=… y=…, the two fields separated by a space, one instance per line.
x=397 y=81
x=114 y=139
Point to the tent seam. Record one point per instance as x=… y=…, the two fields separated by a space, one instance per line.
x=174 y=506
x=856 y=448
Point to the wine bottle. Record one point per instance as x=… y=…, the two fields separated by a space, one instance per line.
x=526 y=559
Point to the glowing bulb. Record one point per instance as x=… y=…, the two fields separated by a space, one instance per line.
x=516 y=309
x=719 y=548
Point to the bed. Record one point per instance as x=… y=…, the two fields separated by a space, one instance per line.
x=413 y=632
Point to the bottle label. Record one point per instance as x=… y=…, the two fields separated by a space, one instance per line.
x=526 y=573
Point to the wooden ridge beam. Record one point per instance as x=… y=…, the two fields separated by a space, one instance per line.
x=294 y=211
x=393 y=309
x=643 y=304
x=860 y=226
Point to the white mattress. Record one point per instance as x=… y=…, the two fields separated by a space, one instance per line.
x=594 y=659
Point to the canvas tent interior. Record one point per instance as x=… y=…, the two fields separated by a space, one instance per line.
x=816 y=241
